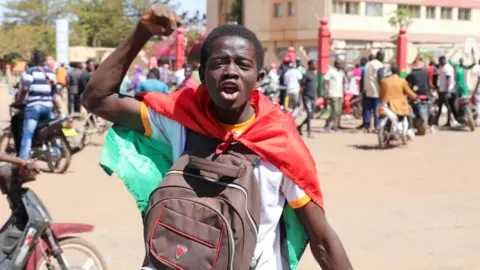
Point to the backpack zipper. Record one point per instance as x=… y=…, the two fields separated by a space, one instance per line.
x=231 y=241
x=231 y=185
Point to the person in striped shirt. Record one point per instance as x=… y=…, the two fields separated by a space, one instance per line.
x=37 y=96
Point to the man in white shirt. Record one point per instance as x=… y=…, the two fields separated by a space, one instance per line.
x=374 y=73
x=292 y=80
x=446 y=89
x=334 y=85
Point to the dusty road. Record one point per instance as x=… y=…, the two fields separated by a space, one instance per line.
x=403 y=208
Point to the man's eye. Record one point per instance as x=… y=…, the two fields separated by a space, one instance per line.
x=244 y=65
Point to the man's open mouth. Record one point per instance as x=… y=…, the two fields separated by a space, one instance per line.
x=229 y=91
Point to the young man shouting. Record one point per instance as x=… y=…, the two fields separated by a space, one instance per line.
x=227 y=107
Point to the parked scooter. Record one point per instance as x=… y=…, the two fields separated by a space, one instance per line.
x=355 y=107
x=421 y=111
x=391 y=127
x=464 y=112
x=50 y=142
x=30 y=241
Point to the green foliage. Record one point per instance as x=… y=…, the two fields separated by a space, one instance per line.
x=236 y=12
x=30 y=24
x=400 y=18
x=99 y=23
x=33 y=12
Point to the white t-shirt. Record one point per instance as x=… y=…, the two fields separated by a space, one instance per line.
x=335 y=80
x=446 y=71
x=179 y=76
x=275 y=188
x=353 y=86
x=292 y=80
x=371 y=85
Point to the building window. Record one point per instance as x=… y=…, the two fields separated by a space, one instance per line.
x=291 y=11
x=414 y=10
x=373 y=9
x=446 y=13
x=350 y=8
x=277 y=10
x=464 y=14
x=431 y=13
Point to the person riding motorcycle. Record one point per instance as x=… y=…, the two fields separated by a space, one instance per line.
x=418 y=79
x=38 y=84
x=393 y=92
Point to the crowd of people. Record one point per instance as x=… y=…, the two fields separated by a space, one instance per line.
x=294 y=86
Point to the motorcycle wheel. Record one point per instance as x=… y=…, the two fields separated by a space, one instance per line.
x=357 y=111
x=470 y=121
x=382 y=138
x=404 y=139
x=422 y=127
x=57 y=166
x=79 y=245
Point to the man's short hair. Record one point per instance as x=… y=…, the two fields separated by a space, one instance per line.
x=234 y=30
x=394 y=69
x=154 y=73
x=311 y=62
x=38 y=58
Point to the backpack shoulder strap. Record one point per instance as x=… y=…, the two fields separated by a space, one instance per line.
x=46 y=76
x=203 y=146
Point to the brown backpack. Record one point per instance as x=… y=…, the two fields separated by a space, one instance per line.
x=206 y=211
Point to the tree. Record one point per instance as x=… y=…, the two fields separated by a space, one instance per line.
x=236 y=12
x=33 y=12
x=99 y=23
x=40 y=37
x=400 y=18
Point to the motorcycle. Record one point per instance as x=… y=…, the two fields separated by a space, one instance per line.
x=421 y=111
x=391 y=127
x=355 y=107
x=474 y=109
x=464 y=112
x=30 y=241
x=51 y=142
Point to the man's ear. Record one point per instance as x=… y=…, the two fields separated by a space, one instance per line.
x=260 y=77
x=201 y=73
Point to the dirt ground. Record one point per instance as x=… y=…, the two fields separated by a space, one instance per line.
x=412 y=207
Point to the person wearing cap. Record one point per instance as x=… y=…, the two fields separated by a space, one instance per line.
x=335 y=83
x=418 y=79
x=300 y=67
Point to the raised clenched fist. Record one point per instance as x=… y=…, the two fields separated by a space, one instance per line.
x=160 y=20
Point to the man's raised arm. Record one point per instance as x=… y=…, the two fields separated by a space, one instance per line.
x=101 y=94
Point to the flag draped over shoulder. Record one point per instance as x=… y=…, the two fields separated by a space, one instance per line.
x=273 y=136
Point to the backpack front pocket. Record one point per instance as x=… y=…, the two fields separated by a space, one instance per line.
x=191 y=241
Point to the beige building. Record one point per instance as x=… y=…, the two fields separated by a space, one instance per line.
x=354 y=24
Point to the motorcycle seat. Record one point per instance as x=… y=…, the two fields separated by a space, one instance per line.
x=51 y=122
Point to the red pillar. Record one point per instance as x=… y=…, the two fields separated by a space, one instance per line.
x=402 y=52
x=323 y=52
x=180 y=49
x=291 y=53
